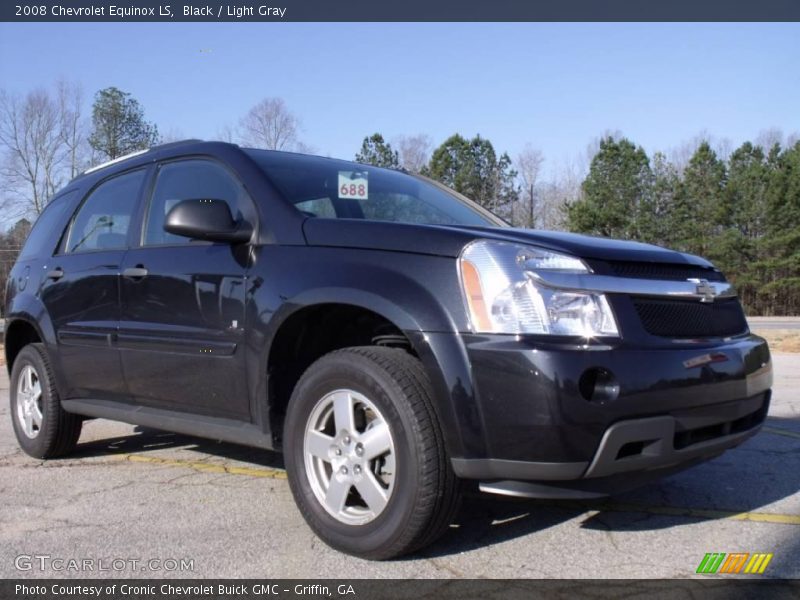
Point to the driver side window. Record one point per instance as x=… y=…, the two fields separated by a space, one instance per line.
x=187 y=180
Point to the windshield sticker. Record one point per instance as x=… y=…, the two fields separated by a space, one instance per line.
x=353 y=184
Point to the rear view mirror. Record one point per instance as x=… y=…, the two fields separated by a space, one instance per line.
x=206 y=219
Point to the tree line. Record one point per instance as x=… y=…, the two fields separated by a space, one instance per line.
x=738 y=207
x=742 y=213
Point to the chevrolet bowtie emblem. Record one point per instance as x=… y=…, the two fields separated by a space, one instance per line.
x=705 y=290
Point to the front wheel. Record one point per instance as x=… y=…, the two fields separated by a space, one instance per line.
x=365 y=456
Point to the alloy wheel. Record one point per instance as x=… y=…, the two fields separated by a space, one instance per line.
x=349 y=457
x=29 y=402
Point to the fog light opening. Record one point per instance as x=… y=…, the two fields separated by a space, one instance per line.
x=598 y=385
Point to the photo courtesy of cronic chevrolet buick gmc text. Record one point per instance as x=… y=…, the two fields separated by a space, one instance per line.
x=389 y=336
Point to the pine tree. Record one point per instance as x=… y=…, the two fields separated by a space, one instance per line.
x=779 y=291
x=375 y=151
x=472 y=168
x=657 y=219
x=615 y=193
x=118 y=124
x=701 y=212
x=740 y=243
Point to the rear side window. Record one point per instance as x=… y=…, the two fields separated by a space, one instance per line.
x=189 y=180
x=46 y=232
x=103 y=220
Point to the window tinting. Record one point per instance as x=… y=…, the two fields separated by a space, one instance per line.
x=48 y=228
x=323 y=187
x=104 y=218
x=188 y=180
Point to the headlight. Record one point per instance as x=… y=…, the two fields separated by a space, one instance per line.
x=502 y=295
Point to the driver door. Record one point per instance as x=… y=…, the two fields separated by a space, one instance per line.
x=181 y=334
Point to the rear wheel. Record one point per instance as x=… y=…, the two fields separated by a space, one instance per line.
x=42 y=427
x=365 y=456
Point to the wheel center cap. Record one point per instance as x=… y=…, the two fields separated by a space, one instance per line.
x=347 y=459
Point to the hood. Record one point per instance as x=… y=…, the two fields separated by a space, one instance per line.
x=449 y=240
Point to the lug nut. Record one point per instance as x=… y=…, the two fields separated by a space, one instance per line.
x=343 y=470
x=357 y=469
x=360 y=449
x=347 y=439
x=338 y=452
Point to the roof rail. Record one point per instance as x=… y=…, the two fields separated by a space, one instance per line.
x=177 y=143
x=138 y=152
x=115 y=161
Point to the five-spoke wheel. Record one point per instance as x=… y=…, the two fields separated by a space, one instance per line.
x=29 y=402
x=365 y=454
x=349 y=456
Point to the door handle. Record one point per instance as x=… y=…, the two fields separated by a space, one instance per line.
x=55 y=274
x=137 y=272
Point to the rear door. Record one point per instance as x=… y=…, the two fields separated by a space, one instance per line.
x=182 y=317
x=80 y=289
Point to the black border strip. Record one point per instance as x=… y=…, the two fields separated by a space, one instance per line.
x=708 y=588
x=403 y=11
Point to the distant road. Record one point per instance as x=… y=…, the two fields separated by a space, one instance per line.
x=774 y=322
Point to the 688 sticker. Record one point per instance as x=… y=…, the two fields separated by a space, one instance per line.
x=353 y=184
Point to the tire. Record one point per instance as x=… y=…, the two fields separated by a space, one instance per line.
x=42 y=427
x=381 y=485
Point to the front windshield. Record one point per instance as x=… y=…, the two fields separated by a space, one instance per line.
x=324 y=187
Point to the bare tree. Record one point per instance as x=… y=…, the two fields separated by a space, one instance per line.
x=227 y=133
x=270 y=125
x=73 y=126
x=173 y=134
x=33 y=145
x=529 y=165
x=681 y=155
x=582 y=163
x=304 y=148
x=563 y=188
x=414 y=151
x=42 y=145
x=767 y=138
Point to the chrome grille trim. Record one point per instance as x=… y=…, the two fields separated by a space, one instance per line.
x=701 y=290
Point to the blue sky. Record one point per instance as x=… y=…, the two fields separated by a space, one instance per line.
x=556 y=86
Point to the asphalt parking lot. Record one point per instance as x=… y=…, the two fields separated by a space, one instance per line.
x=138 y=494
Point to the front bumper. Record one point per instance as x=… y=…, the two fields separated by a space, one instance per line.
x=677 y=405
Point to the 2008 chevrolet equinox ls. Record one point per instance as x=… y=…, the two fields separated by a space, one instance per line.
x=389 y=336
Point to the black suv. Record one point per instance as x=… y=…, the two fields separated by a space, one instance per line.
x=390 y=336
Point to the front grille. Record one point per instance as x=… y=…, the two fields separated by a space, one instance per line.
x=691 y=318
x=665 y=271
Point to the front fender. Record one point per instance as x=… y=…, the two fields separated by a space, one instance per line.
x=419 y=294
x=415 y=292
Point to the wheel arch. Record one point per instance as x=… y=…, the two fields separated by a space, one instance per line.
x=378 y=316
x=20 y=331
x=305 y=332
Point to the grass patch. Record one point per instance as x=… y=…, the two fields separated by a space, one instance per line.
x=781 y=340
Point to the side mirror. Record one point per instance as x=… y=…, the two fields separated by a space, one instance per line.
x=206 y=219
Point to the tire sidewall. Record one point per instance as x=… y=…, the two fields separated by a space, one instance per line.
x=339 y=372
